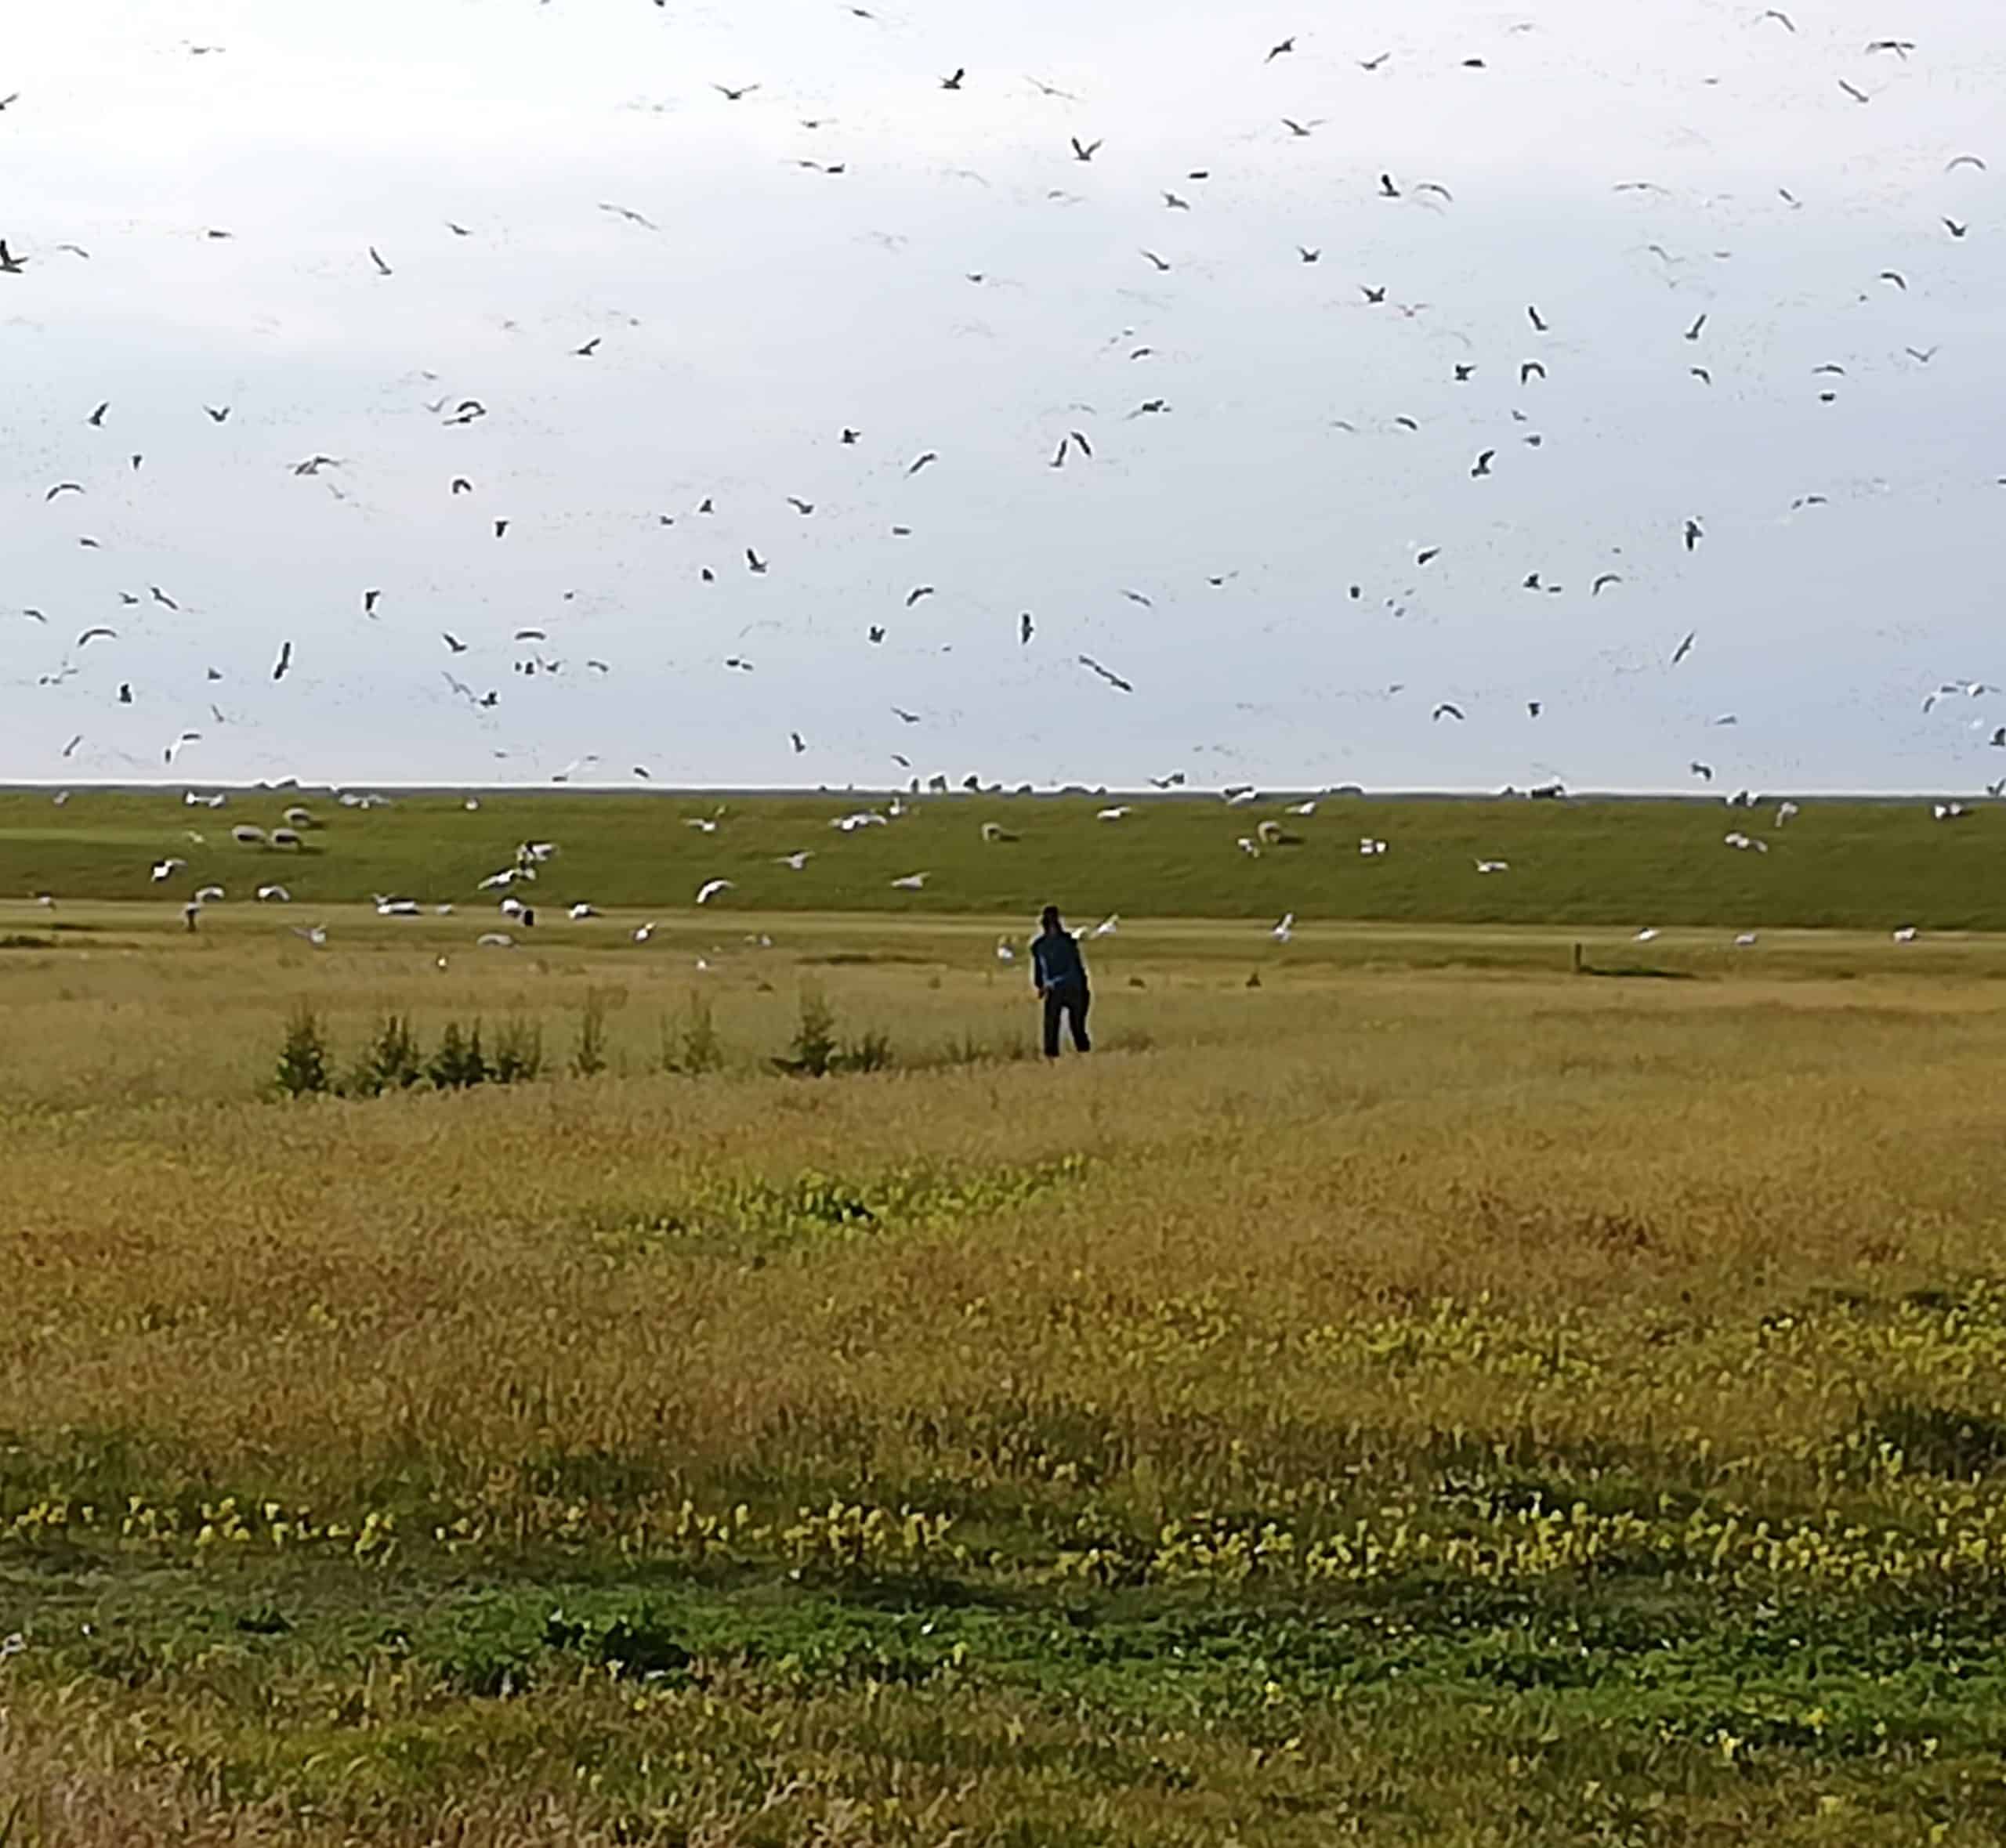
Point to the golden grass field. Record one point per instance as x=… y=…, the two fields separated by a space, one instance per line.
x=1426 y=1397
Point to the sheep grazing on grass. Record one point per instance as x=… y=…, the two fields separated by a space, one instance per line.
x=244 y=835
x=287 y=838
x=300 y=818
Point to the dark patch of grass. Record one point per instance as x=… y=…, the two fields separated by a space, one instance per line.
x=1942 y=1439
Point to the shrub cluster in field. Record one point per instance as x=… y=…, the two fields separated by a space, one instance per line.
x=394 y=1060
x=467 y=1055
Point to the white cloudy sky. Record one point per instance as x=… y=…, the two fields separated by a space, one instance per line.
x=772 y=304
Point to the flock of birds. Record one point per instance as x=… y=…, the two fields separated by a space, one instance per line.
x=1532 y=360
x=532 y=858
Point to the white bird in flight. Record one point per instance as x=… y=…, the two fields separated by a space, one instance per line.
x=913 y=882
x=710 y=889
x=1286 y=929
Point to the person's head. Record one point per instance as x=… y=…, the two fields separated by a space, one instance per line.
x=1049 y=918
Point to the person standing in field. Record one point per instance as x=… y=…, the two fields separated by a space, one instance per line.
x=1059 y=972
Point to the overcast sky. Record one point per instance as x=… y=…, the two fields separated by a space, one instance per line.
x=966 y=287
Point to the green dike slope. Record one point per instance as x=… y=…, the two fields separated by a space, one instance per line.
x=1869 y=866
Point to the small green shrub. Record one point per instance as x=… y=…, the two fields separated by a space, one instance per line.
x=695 y=1047
x=302 y=1069
x=459 y=1064
x=815 y=1050
x=589 y=1056
x=518 y=1051
x=392 y=1060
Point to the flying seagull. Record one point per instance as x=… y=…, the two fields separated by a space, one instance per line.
x=1113 y=679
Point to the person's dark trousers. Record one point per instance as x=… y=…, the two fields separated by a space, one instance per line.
x=1070 y=1002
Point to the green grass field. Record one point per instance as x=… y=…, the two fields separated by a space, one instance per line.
x=1869 y=866
x=1426 y=1396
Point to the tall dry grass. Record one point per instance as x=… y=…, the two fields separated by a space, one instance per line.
x=302 y=1298
x=1424 y=1284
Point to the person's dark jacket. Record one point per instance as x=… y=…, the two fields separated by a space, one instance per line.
x=1056 y=962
